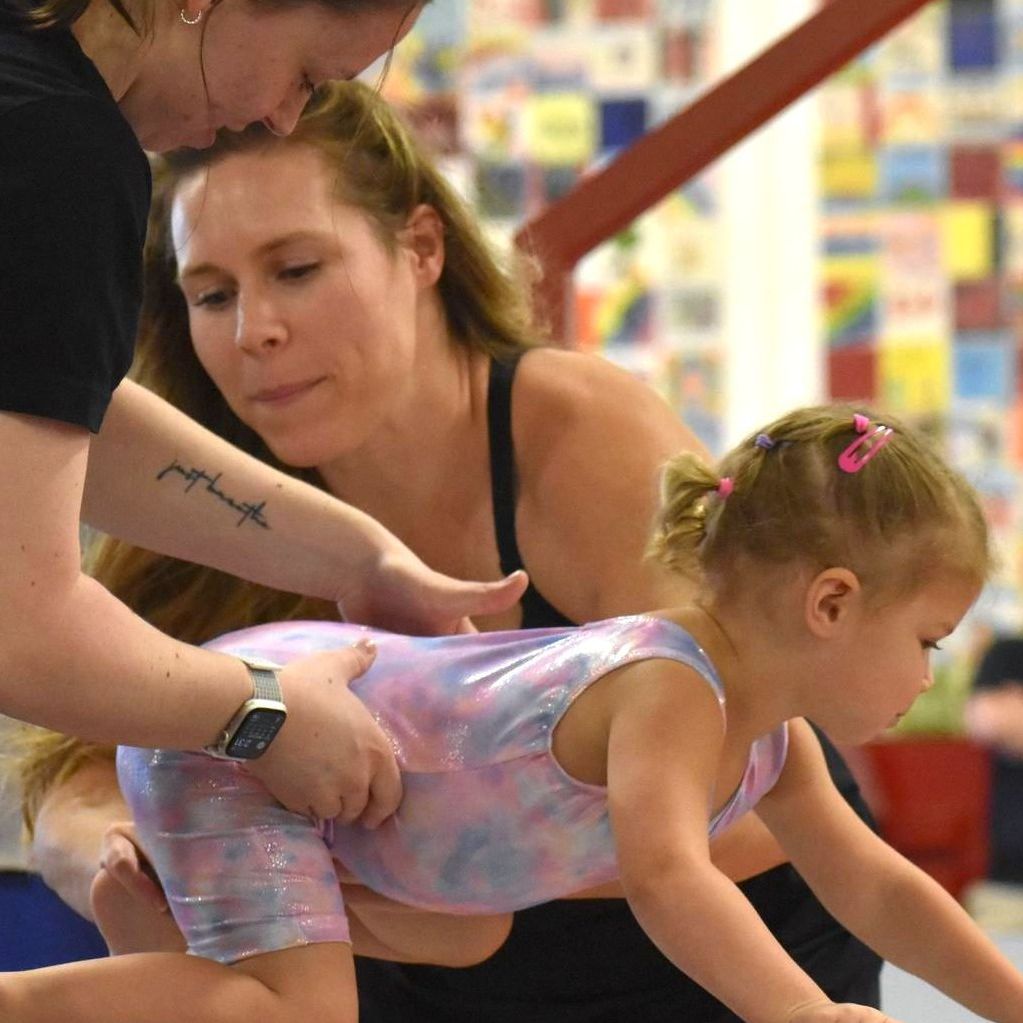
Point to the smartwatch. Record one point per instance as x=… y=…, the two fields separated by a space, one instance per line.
x=257 y=721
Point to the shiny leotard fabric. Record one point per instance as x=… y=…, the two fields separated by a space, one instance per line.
x=489 y=821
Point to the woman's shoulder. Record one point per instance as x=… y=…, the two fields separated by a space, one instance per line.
x=566 y=402
x=590 y=441
x=573 y=382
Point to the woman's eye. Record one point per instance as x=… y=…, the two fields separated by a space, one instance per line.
x=213 y=298
x=293 y=273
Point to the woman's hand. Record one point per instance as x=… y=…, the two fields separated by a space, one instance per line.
x=127 y=901
x=400 y=593
x=331 y=759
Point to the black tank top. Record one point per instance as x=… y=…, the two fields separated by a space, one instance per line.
x=587 y=960
x=537 y=612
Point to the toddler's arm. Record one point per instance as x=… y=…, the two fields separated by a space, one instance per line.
x=665 y=743
x=879 y=895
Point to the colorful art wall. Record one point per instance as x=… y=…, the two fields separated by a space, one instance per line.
x=524 y=96
x=922 y=246
x=920 y=203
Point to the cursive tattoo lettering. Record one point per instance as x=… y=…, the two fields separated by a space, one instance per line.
x=247 y=510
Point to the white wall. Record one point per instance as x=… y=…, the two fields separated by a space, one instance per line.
x=773 y=354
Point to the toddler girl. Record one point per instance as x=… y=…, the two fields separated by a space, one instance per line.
x=834 y=552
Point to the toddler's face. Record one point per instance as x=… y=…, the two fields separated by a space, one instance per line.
x=888 y=662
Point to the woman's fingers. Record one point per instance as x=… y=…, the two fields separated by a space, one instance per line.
x=331 y=758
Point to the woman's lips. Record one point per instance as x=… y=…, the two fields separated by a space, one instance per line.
x=285 y=392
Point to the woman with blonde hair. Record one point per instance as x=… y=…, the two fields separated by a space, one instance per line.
x=327 y=302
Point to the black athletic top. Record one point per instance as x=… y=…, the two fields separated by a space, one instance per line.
x=587 y=960
x=74 y=197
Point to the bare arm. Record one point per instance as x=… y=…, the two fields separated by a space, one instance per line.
x=314 y=982
x=75 y=659
x=879 y=895
x=161 y=481
x=589 y=495
x=666 y=741
x=995 y=717
x=384 y=929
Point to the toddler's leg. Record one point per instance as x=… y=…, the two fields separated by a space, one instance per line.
x=242 y=874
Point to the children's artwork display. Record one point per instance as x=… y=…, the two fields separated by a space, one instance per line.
x=523 y=97
x=921 y=248
x=920 y=200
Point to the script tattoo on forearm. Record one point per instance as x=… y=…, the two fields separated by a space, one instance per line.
x=248 y=511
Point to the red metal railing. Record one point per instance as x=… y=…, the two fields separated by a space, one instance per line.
x=601 y=205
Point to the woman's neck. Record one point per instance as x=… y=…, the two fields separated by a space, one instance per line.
x=426 y=466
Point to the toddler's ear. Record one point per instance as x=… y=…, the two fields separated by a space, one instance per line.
x=832 y=596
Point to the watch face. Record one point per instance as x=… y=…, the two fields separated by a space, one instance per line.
x=255 y=733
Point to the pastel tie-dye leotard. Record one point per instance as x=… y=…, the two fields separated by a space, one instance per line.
x=489 y=821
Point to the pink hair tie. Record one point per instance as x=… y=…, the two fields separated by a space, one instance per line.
x=725 y=487
x=860 y=422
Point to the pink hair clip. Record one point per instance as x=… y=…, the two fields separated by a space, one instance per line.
x=725 y=487
x=852 y=459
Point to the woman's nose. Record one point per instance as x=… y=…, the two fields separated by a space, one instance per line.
x=259 y=328
x=283 y=120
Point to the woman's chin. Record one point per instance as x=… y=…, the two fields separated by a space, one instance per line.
x=295 y=458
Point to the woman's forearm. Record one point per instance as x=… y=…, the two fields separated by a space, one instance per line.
x=161 y=481
x=293 y=986
x=384 y=929
x=78 y=661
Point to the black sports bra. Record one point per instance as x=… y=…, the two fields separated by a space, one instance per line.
x=537 y=612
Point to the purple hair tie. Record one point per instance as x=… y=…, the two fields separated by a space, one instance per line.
x=725 y=487
x=763 y=442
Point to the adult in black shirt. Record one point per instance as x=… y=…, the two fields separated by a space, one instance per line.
x=84 y=84
x=995 y=716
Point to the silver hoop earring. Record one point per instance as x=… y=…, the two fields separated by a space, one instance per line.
x=190 y=21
